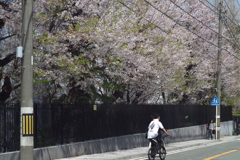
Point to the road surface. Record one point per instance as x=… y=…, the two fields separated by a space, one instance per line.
x=224 y=150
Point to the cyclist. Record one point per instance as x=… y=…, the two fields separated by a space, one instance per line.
x=153 y=130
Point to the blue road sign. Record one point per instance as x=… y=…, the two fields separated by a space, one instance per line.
x=215 y=101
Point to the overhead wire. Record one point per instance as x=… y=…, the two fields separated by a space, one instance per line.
x=224 y=20
x=190 y=30
x=143 y=17
x=238 y=3
x=231 y=14
x=229 y=30
x=192 y=16
x=230 y=10
x=232 y=35
x=217 y=11
x=212 y=5
x=164 y=31
x=204 y=24
x=173 y=19
x=164 y=13
x=236 y=43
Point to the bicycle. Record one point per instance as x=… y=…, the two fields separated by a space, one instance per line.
x=159 y=148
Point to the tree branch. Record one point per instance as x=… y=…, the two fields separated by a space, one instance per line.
x=4 y=5
x=6 y=89
x=3 y=38
x=7 y=59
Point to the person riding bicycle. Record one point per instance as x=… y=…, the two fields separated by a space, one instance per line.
x=238 y=129
x=153 y=130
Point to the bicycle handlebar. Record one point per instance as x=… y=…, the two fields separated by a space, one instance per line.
x=164 y=135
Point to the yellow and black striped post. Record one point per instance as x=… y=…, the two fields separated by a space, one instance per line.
x=95 y=107
x=27 y=125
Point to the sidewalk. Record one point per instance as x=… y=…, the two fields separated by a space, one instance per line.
x=142 y=151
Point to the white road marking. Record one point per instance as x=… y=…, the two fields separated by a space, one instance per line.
x=187 y=149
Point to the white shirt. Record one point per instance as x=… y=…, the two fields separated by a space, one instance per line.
x=153 y=128
x=211 y=126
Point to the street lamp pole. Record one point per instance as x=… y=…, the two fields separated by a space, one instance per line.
x=26 y=121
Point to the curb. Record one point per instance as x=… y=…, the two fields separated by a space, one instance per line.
x=132 y=156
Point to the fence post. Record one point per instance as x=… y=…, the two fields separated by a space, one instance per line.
x=35 y=124
x=5 y=127
x=61 y=126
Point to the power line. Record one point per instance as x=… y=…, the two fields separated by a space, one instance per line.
x=231 y=14
x=180 y=25
x=238 y=3
x=194 y=17
x=235 y=44
x=206 y=26
x=143 y=17
x=209 y=27
x=216 y=8
x=225 y=16
x=217 y=12
x=231 y=34
x=229 y=8
x=162 y=30
x=189 y=29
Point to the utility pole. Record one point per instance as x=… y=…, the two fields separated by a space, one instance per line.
x=219 y=70
x=26 y=121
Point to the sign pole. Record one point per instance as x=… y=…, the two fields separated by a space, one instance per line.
x=216 y=135
x=216 y=102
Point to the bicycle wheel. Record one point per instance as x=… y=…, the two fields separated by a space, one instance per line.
x=151 y=154
x=162 y=143
x=162 y=153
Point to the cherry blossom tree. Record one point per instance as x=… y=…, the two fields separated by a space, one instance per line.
x=120 y=51
x=9 y=29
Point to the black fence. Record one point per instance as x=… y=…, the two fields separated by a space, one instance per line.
x=9 y=127
x=64 y=123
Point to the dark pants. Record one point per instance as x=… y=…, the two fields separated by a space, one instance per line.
x=155 y=141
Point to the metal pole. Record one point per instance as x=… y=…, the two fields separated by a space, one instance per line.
x=219 y=71
x=216 y=137
x=26 y=130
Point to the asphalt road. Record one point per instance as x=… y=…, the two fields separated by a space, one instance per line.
x=225 y=150
x=222 y=151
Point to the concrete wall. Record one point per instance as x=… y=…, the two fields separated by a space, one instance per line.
x=227 y=128
x=197 y=132
x=117 y=143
